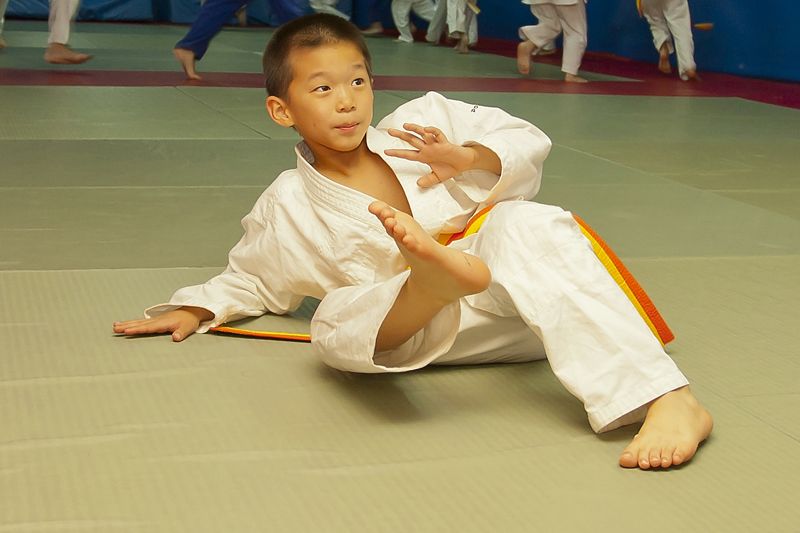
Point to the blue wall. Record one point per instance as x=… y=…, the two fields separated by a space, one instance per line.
x=750 y=37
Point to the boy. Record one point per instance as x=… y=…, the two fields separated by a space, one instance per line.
x=339 y=228
x=555 y=17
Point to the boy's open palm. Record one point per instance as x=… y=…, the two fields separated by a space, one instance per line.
x=431 y=147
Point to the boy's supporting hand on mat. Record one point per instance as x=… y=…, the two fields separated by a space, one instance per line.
x=180 y=323
x=447 y=160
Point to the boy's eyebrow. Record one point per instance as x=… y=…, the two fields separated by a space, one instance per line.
x=322 y=73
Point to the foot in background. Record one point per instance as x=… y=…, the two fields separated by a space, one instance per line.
x=462 y=42
x=187 y=61
x=690 y=74
x=376 y=28
x=524 y=51
x=574 y=78
x=663 y=59
x=61 y=54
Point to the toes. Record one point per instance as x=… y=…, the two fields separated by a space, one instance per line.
x=628 y=460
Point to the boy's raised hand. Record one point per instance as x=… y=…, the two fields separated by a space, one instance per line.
x=431 y=147
x=180 y=323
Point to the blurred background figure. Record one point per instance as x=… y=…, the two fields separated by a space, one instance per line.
x=401 y=9
x=58 y=51
x=555 y=17
x=671 y=26
x=459 y=19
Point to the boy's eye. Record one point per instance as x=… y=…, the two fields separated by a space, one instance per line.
x=358 y=81
x=321 y=89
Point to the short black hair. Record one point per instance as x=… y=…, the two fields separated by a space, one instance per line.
x=309 y=31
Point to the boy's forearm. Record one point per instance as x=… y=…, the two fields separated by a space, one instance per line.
x=485 y=158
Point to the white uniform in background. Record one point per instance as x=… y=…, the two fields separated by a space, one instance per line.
x=327 y=6
x=61 y=14
x=550 y=296
x=454 y=14
x=3 y=6
x=555 y=17
x=400 y=11
x=670 y=19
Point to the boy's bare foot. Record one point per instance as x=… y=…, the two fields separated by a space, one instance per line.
x=524 y=51
x=573 y=78
x=61 y=54
x=462 y=44
x=674 y=427
x=663 y=59
x=187 y=61
x=2 y=43
x=444 y=273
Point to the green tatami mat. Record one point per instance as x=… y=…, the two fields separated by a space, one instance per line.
x=146 y=47
x=230 y=434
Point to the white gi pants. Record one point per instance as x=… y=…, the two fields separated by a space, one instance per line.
x=3 y=6
x=670 y=20
x=400 y=10
x=550 y=297
x=555 y=19
x=454 y=14
x=327 y=6
x=61 y=13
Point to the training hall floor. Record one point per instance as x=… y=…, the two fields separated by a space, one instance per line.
x=120 y=182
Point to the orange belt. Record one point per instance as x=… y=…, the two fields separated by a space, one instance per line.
x=635 y=293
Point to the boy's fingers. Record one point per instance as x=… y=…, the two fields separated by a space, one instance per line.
x=410 y=138
x=411 y=155
x=428 y=180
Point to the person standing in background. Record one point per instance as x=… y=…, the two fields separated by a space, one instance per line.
x=555 y=17
x=671 y=26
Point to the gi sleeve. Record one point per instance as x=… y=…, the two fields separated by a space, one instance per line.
x=521 y=146
x=345 y=328
x=253 y=282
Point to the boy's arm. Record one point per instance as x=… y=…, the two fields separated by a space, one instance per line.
x=254 y=282
x=520 y=146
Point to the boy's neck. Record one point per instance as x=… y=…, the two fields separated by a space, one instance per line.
x=340 y=166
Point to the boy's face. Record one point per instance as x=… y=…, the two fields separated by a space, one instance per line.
x=329 y=100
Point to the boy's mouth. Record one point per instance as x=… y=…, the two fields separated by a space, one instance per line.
x=347 y=127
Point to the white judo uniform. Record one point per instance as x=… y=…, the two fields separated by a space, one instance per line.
x=670 y=22
x=60 y=17
x=555 y=17
x=458 y=18
x=550 y=297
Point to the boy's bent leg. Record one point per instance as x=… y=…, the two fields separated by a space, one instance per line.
x=439 y=276
x=597 y=344
x=405 y=322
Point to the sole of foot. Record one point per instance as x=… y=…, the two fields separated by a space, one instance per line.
x=524 y=51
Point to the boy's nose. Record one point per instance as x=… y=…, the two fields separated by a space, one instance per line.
x=346 y=102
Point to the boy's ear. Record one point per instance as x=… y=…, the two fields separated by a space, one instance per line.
x=278 y=111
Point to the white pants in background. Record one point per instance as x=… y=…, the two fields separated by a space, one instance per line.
x=671 y=23
x=555 y=19
x=61 y=13
x=400 y=11
x=454 y=14
x=327 y=6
